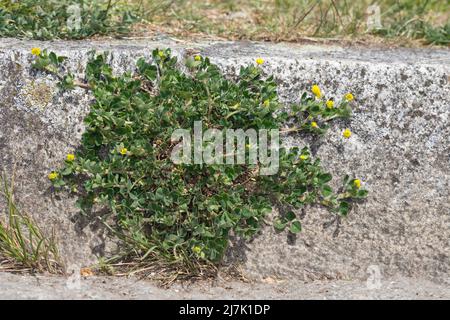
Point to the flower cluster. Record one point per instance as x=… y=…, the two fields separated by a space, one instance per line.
x=315 y=89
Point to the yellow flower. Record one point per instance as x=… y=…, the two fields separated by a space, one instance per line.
x=197 y=58
x=197 y=249
x=160 y=53
x=347 y=133
x=123 y=151
x=259 y=61
x=304 y=157
x=53 y=175
x=316 y=90
x=349 y=97
x=330 y=104
x=357 y=183
x=266 y=103
x=70 y=157
x=314 y=124
x=36 y=51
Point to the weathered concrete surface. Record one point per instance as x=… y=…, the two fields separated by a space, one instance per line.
x=400 y=148
x=26 y=287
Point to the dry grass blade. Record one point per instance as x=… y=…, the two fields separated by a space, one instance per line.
x=294 y=20
x=165 y=274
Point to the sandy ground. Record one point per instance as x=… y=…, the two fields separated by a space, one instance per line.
x=14 y=286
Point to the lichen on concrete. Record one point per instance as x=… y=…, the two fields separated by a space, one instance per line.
x=36 y=95
x=400 y=149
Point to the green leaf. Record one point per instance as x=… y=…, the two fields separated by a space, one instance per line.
x=344 y=208
x=327 y=190
x=61 y=59
x=246 y=213
x=295 y=227
x=362 y=193
x=290 y=215
x=279 y=224
x=325 y=177
x=53 y=58
x=66 y=171
x=191 y=63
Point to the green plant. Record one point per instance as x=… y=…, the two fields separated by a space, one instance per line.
x=51 y=63
x=182 y=215
x=67 y=19
x=295 y=20
x=414 y=20
x=22 y=243
x=438 y=35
